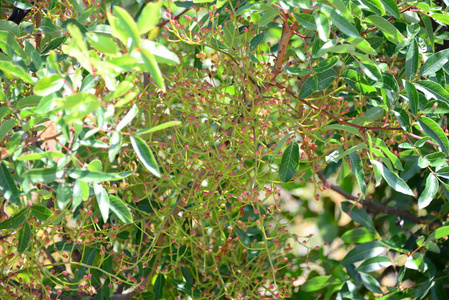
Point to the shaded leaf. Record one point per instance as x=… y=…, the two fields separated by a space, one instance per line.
x=412 y=60
x=289 y=162
x=357 y=169
x=319 y=282
x=120 y=209
x=8 y=186
x=412 y=96
x=363 y=252
x=158 y=289
x=40 y=212
x=187 y=288
x=14 y=221
x=359 y=215
x=24 y=237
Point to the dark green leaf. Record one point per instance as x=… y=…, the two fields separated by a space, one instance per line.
x=8 y=186
x=357 y=170
x=389 y=31
x=309 y=87
x=158 y=289
x=359 y=215
x=326 y=64
x=432 y=129
x=119 y=208
x=412 y=60
x=187 y=288
x=375 y=6
x=40 y=212
x=289 y=162
x=363 y=252
x=434 y=63
x=374 y=264
x=24 y=237
x=145 y=155
x=412 y=96
x=15 y=221
x=392 y=8
x=255 y=41
x=393 y=179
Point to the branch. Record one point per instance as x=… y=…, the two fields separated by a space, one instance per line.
x=373 y=205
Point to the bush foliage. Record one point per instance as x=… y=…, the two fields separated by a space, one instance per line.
x=178 y=149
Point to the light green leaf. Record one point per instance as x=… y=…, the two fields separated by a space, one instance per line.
x=37 y=156
x=412 y=60
x=158 y=127
x=359 y=235
x=15 y=72
x=319 y=282
x=306 y=20
x=441 y=232
x=145 y=155
x=359 y=215
x=24 y=237
x=393 y=179
x=432 y=129
x=363 y=252
x=362 y=45
x=48 y=85
x=102 y=201
x=357 y=169
x=434 y=63
x=129 y=26
x=389 y=31
x=78 y=105
x=430 y=190
x=96 y=177
x=443 y=18
x=267 y=17
x=149 y=64
x=128 y=118
x=63 y=195
x=161 y=53
x=289 y=162
x=116 y=145
x=375 y=6
x=102 y=43
x=119 y=208
x=432 y=89
x=150 y=17
x=7 y=186
x=45 y=175
x=322 y=24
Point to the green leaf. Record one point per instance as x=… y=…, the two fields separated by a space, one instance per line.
x=289 y=162
x=150 y=17
x=306 y=20
x=145 y=155
x=24 y=237
x=434 y=63
x=161 y=53
x=48 y=85
x=78 y=105
x=392 y=8
x=102 y=43
x=319 y=282
x=359 y=215
x=375 y=6
x=15 y=221
x=158 y=289
x=389 y=31
x=374 y=264
x=128 y=118
x=40 y=212
x=149 y=64
x=403 y=119
x=441 y=232
x=63 y=195
x=119 y=208
x=357 y=169
x=187 y=288
x=116 y=145
x=45 y=175
x=102 y=201
x=412 y=60
x=322 y=24
x=6 y=127
x=129 y=26
x=432 y=90
x=326 y=64
x=15 y=72
x=343 y=24
x=393 y=179
x=443 y=18
x=38 y=156
x=363 y=252
x=255 y=41
x=362 y=45
x=158 y=127
x=80 y=193
x=370 y=283
x=267 y=17
x=96 y=177
x=309 y=87
x=430 y=190
x=7 y=186
x=412 y=96
x=432 y=129
x=359 y=235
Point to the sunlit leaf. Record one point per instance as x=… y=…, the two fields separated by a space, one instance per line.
x=432 y=129
x=393 y=179
x=430 y=190
x=8 y=187
x=119 y=208
x=319 y=282
x=158 y=127
x=145 y=155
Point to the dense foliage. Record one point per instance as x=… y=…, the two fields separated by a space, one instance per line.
x=215 y=149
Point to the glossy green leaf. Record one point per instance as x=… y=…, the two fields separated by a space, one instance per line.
x=343 y=24
x=129 y=26
x=45 y=175
x=187 y=288
x=441 y=232
x=326 y=64
x=40 y=212
x=96 y=177
x=150 y=17
x=38 y=156
x=102 y=43
x=119 y=208
x=309 y=87
x=412 y=96
x=432 y=129
x=371 y=283
x=322 y=24
x=374 y=264
x=24 y=237
x=8 y=187
x=430 y=190
x=432 y=90
x=362 y=44
x=393 y=179
x=403 y=119
x=412 y=60
x=116 y=145
x=357 y=170
x=392 y=8
x=319 y=282
x=359 y=215
x=443 y=18
x=359 y=235
x=158 y=127
x=389 y=31
x=434 y=63
x=14 y=221
x=15 y=72
x=128 y=118
x=145 y=155
x=375 y=6
x=161 y=53
x=341 y=6
x=158 y=289
x=289 y=162
x=363 y=252
x=48 y=85
x=102 y=201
